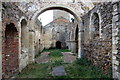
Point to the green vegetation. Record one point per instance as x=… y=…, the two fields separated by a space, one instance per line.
x=56 y=53
x=56 y=58
x=81 y=68
x=59 y=50
x=35 y=71
x=37 y=55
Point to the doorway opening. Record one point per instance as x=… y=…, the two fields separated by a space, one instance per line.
x=11 y=50
x=58 y=45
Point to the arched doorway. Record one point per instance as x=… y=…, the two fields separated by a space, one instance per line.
x=59 y=7
x=11 y=63
x=76 y=39
x=58 y=45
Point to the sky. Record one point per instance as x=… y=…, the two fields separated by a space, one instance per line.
x=47 y=17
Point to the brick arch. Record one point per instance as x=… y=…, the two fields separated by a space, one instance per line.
x=10 y=50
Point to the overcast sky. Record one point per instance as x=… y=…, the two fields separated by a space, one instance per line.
x=47 y=17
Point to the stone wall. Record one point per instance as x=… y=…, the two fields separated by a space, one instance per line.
x=98 y=38
x=60 y=26
x=38 y=37
x=101 y=39
x=11 y=39
x=73 y=39
x=34 y=9
x=61 y=30
x=24 y=44
x=116 y=40
x=30 y=8
x=48 y=38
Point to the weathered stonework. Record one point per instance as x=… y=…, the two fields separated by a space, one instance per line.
x=63 y=31
x=63 y=7
x=11 y=42
x=60 y=26
x=116 y=40
x=73 y=37
x=31 y=7
x=98 y=38
x=98 y=33
x=24 y=44
x=39 y=40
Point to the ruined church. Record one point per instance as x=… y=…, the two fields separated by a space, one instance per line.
x=93 y=34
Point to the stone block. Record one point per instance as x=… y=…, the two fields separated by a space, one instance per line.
x=115 y=67
x=116 y=62
x=115 y=18
x=114 y=57
x=115 y=31
x=115 y=7
x=115 y=13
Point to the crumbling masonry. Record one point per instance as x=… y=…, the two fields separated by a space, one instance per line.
x=96 y=31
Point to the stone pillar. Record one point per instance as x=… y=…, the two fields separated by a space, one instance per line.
x=31 y=46
x=0 y=41
x=80 y=41
x=69 y=45
x=116 y=40
x=73 y=46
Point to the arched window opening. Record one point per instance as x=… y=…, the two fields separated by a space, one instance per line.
x=95 y=26
x=58 y=45
x=24 y=36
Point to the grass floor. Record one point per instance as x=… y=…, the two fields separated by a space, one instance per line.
x=81 y=68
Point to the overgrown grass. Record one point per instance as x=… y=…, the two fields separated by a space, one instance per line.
x=55 y=53
x=52 y=50
x=56 y=57
x=81 y=68
x=37 y=55
x=35 y=71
